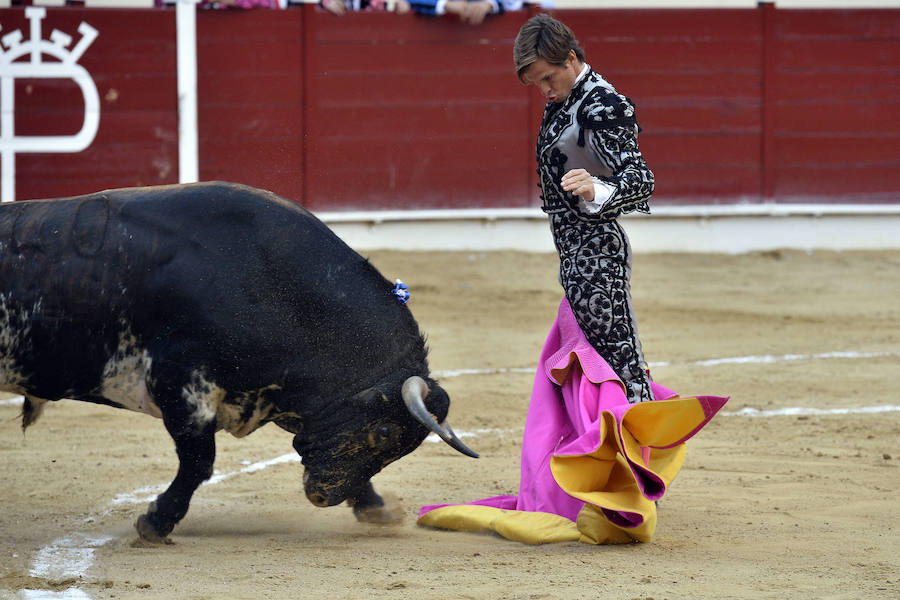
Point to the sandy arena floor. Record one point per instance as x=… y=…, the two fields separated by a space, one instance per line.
x=772 y=505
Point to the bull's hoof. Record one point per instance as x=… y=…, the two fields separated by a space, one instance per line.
x=148 y=534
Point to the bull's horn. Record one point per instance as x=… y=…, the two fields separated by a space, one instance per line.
x=413 y=392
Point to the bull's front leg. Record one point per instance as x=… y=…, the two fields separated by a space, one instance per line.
x=369 y=507
x=195 y=444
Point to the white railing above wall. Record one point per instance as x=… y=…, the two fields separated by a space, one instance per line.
x=729 y=229
x=551 y=4
x=119 y=3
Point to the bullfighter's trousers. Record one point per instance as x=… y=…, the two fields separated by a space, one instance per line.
x=595 y=270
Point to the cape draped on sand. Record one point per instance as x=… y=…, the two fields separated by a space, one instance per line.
x=593 y=465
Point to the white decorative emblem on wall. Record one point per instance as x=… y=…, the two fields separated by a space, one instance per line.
x=12 y=48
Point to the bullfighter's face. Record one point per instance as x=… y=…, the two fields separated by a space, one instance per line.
x=554 y=81
x=360 y=437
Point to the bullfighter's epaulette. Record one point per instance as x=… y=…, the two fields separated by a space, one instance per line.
x=603 y=108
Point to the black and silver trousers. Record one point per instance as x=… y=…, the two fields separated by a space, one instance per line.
x=595 y=272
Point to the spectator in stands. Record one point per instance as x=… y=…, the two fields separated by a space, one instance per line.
x=339 y=7
x=472 y=12
x=469 y=11
x=591 y=172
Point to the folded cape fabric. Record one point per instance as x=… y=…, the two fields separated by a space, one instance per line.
x=593 y=465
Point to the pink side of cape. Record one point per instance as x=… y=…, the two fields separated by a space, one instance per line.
x=573 y=386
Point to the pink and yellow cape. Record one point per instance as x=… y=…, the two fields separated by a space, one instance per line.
x=593 y=465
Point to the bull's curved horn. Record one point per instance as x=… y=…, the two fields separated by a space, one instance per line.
x=414 y=391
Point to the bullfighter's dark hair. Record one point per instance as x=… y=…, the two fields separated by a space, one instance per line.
x=543 y=37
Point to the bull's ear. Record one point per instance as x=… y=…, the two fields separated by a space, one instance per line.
x=413 y=392
x=438 y=402
x=369 y=395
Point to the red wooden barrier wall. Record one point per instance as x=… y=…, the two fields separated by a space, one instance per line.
x=251 y=83
x=374 y=111
x=421 y=109
x=836 y=106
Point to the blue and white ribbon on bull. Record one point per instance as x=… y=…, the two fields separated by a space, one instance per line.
x=401 y=291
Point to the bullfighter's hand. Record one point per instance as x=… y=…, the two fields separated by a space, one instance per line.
x=580 y=183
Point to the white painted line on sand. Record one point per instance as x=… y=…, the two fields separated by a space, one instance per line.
x=14 y=401
x=766 y=359
x=68 y=594
x=712 y=362
x=150 y=492
x=497 y=371
x=801 y=411
x=66 y=557
x=478 y=432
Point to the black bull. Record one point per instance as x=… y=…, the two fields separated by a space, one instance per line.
x=216 y=306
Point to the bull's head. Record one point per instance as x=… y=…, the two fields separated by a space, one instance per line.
x=382 y=424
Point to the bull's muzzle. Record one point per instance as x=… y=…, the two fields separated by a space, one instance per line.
x=317 y=499
x=414 y=391
x=315 y=493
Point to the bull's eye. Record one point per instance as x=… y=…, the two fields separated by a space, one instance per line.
x=379 y=435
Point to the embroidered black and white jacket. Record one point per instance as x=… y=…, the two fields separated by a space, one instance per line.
x=596 y=129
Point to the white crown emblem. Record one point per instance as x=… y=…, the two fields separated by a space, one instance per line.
x=34 y=67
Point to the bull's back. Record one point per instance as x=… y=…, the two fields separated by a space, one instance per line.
x=105 y=248
x=224 y=274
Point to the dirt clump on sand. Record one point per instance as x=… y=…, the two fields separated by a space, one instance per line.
x=772 y=502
